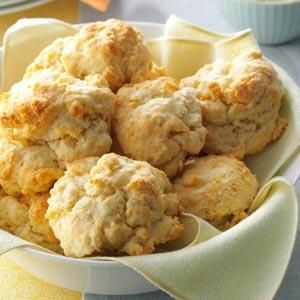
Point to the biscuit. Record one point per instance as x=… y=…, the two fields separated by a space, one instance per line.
x=25 y=217
x=218 y=189
x=157 y=123
x=49 y=58
x=27 y=169
x=113 y=204
x=113 y=49
x=71 y=116
x=240 y=101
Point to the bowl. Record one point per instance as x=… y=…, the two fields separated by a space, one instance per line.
x=272 y=21
x=99 y=277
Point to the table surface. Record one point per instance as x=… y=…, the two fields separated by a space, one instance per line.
x=206 y=14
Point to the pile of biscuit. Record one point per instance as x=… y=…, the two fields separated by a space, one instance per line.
x=100 y=152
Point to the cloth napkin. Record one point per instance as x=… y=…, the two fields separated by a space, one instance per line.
x=249 y=260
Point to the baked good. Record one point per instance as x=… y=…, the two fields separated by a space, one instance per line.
x=217 y=188
x=25 y=217
x=113 y=49
x=27 y=169
x=156 y=122
x=113 y=204
x=71 y=116
x=240 y=101
x=49 y=58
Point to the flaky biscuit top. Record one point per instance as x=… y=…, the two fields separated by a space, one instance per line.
x=49 y=58
x=247 y=78
x=156 y=122
x=25 y=217
x=27 y=169
x=240 y=101
x=216 y=187
x=70 y=115
x=113 y=49
x=113 y=204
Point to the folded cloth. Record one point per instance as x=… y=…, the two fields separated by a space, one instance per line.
x=22 y=35
x=247 y=261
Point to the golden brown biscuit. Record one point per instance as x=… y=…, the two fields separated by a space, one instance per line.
x=25 y=217
x=113 y=204
x=218 y=189
x=113 y=49
x=49 y=58
x=27 y=169
x=240 y=101
x=157 y=123
x=71 y=116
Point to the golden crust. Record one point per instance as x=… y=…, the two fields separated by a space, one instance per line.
x=25 y=217
x=240 y=100
x=49 y=58
x=27 y=169
x=113 y=49
x=71 y=116
x=218 y=189
x=113 y=204
x=157 y=123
